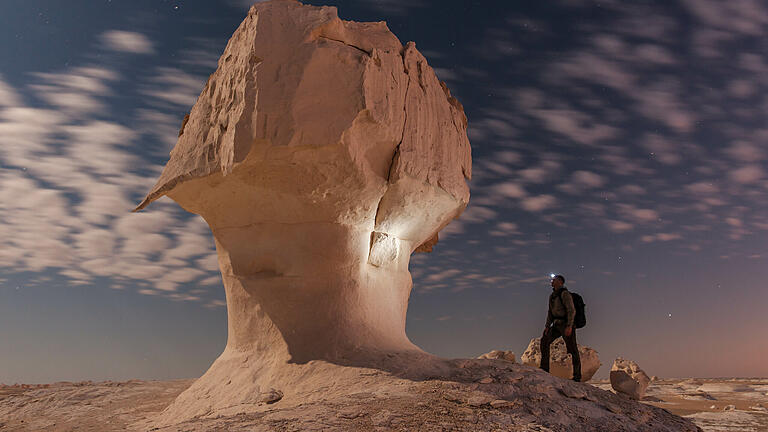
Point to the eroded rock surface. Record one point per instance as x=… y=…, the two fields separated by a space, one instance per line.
x=322 y=153
x=560 y=361
x=517 y=399
x=500 y=355
x=628 y=379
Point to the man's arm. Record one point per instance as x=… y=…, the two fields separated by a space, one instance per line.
x=550 y=318
x=570 y=309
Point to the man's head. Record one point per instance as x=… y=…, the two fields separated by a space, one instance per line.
x=558 y=281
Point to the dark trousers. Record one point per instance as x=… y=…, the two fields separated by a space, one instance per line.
x=570 y=344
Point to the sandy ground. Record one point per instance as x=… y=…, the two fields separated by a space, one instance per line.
x=712 y=404
x=84 y=406
x=735 y=404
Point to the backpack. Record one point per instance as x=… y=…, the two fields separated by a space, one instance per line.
x=580 y=320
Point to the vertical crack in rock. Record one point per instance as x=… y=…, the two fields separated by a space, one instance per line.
x=395 y=154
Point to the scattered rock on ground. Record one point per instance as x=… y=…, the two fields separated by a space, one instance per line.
x=560 y=361
x=271 y=396
x=628 y=379
x=500 y=355
x=521 y=399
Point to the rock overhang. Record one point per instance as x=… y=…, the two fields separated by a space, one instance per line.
x=397 y=136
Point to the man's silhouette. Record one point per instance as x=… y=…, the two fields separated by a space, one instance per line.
x=560 y=323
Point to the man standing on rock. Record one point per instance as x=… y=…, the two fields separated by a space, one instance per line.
x=560 y=323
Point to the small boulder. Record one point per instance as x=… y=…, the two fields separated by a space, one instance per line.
x=500 y=355
x=628 y=379
x=271 y=396
x=560 y=361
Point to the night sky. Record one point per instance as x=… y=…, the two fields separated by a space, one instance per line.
x=622 y=144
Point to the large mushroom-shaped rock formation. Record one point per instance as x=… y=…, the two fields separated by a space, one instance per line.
x=322 y=153
x=560 y=364
x=628 y=379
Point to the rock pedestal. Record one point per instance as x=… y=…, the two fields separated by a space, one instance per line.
x=628 y=379
x=560 y=364
x=322 y=153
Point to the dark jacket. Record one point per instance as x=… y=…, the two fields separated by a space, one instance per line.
x=561 y=308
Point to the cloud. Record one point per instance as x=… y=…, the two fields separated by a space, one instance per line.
x=661 y=149
x=509 y=190
x=394 y=7
x=582 y=180
x=127 y=41
x=477 y=213
x=68 y=184
x=744 y=151
x=588 y=179
x=740 y=16
x=538 y=203
x=77 y=91
x=446 y=74
x=619 y=226
x=631 y=189
x=175 y=86
x=702 y=188
x=660 y=237
x=8 y=96
x=638 y=215
x=541 y=173
x=504 y=229
x=575 y=125
x=243 y=4
x=747 y=174
x=653 y=53
x=662 y=102
x=435 y=277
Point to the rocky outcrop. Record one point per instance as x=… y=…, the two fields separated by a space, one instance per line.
x=500 y=355
x=628 y=379
x=322 y=153
x=560 y=361
x=517 y=399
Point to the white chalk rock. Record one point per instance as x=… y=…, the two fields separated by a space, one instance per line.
x=322 y=153
x=628 y=379
x=560 y=364
x=499 y=354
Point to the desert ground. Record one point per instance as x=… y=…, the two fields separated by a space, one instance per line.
x=712 y=404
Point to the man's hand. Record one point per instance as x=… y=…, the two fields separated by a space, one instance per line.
x=568 y=331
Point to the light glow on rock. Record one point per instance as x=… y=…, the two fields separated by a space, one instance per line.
x=384 y=249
